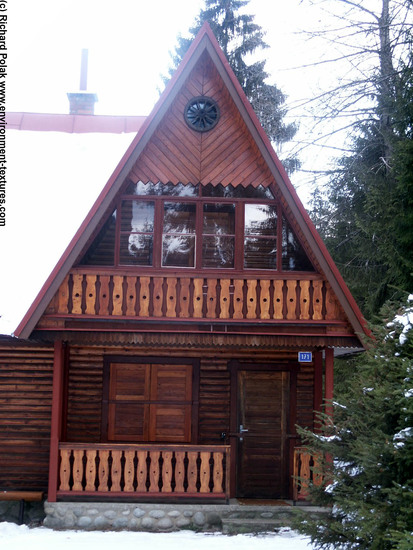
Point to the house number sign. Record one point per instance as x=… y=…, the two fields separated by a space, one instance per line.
x=305 y=356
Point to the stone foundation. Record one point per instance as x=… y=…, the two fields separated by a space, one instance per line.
x=230 y=518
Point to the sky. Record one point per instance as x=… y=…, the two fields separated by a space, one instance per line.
x=129 y=42
x=18 y=537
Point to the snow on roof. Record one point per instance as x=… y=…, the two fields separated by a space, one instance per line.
x=53 y=179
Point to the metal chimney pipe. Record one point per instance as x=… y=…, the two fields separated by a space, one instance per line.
x=83 y=70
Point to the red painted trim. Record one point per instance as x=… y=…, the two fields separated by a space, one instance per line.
x=329 y=380
x=56 y=420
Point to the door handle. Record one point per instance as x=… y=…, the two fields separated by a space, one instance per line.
x=242 y=430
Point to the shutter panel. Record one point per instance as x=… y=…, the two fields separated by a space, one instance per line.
x=128 y=413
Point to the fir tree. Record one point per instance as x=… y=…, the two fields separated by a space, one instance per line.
x=239 y=37
x=369 y=446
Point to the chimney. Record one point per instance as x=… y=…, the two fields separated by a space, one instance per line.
x=82 y=102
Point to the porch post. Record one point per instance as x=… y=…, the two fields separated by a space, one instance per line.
x=329 y=380
x=56 y=420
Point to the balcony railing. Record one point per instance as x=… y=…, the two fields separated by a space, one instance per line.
x=181 y=298
x=106 y=470
x=307 y=470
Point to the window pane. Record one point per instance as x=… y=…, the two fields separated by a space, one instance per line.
x=179 y=218
x=238 y=192
x=219 y=219
x=178 y=250
x=158 y=189
x=260 y=219
x=218 y=251
x=260 y=253
x=137 y=216
x=136 y=249
x=293 y=256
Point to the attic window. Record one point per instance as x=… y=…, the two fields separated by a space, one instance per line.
x=201 y=113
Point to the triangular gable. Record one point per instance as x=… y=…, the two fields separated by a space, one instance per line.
x=257 y=162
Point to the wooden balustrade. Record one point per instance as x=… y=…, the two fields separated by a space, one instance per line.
x=144 y=470
x=196 y=298
x=307 y=470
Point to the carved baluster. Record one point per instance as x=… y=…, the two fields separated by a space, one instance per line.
x=251 y=299
x=205 y=472
x=65 y=469
x=171 y=296
x=90 y=294
x=142 y=471
x=265 y=300
x=116 y=471
x=211 y=298
x=317 y=300
x=179 y=471
x=198 y=297
x=130 y=296
x=238 y=298
x=225 y=298
x=305 y=300
x=154 y=472
x=64 y=296
x=117 y=295
x=218 y=472
x=78 y=470
x=157 y=296
x=167 y=472
x=144 y=297
x=129 y=473
x=104 y=295
x=184 y=298
x=192 y=472
x=103 y=471
x=278 y=299
x=77 y=294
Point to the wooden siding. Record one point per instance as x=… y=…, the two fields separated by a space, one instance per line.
x=227 y=154
x=25 y=407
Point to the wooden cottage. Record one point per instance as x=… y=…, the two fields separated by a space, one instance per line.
x=191 y=323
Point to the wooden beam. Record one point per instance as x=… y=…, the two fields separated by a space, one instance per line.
x=56 y=420
x=318 y=387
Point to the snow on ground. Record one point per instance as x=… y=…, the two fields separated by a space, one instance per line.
x=20 y=537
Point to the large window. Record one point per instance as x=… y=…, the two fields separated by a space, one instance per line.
x=198 y=227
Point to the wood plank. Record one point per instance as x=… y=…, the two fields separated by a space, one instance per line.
x=265 y=299
x=305 y=300
x=116 y=470
x=184 y=297
x=144 y=297
x=204 y=472
x=238 y=299
x=90 y=294
x=211 y=298
x=291 y=299
x=77 y=294
x=129 y=472
x=179 y=471
x=171 y=296
x=332 y=305
x=224 y=299
x=117 y=295
x=251 y=299
x=157 y=296
x=317 y=300
x=198 y=300
x=131 y=296
x=167 y=472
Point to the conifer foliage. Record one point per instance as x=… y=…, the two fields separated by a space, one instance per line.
x=369 y=446
x=239 y=36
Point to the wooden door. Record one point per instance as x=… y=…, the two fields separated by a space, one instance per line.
x=149 y=402
x=262 y=410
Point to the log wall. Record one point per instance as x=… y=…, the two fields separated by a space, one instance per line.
x=25 y=410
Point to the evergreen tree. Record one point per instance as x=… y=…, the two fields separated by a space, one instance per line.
x=240 y=37
x=370 y=489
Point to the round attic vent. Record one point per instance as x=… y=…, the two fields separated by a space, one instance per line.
x=201 y=113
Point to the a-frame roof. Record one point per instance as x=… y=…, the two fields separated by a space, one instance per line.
x=260 y=151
